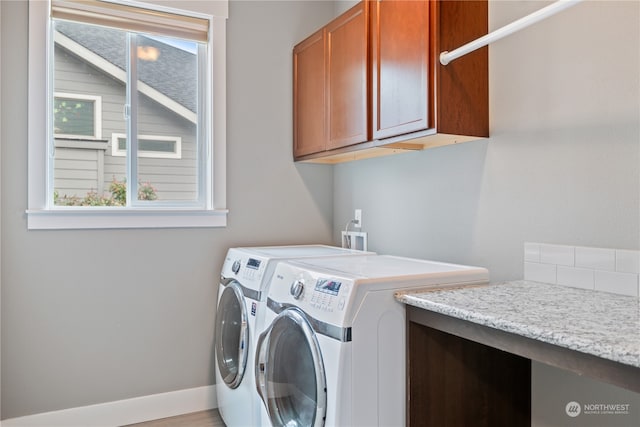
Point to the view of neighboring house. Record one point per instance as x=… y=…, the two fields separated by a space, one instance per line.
x=89 y=113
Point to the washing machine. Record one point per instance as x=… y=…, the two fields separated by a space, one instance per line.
x=333 y=349
x=246 y=272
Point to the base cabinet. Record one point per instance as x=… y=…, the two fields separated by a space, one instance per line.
x=456 y=382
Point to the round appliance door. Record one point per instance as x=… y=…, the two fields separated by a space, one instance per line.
x=232 y=335
x=290 y=373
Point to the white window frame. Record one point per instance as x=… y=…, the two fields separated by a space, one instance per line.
x=177 y=154
x=42 y=214
x=97 y=114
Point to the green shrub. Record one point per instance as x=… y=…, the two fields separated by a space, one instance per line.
x=118 y=197
x=146 y=191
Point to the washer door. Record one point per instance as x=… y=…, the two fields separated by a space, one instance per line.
x=232 y=335
x=290 y=374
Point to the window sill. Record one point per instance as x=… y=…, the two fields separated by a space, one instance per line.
x=110 y=218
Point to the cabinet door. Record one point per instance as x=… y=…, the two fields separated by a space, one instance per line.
x=347 y=78
x=309 y=105
x=400 y=66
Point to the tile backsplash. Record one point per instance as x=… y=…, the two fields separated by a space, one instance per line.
x=609 y=270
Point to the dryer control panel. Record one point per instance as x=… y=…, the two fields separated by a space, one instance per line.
x=320 y=294
x=326 y=294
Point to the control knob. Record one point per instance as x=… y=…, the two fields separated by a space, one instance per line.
x=236 y=266
x=297 y=288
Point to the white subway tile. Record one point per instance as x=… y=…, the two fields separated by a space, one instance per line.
x=575 y=277
x=545 y=273
x=627 y=261
x=618 y=283
x=596 y=258
x=557 y=254
x=532 y=252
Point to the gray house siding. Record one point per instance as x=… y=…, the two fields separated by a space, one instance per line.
x=78 y=171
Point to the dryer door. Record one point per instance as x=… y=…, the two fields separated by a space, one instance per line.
x=290 y=373
x=232 y=335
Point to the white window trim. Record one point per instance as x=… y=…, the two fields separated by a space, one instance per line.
x=40 y=214
x=97 y=114
x=116 y=151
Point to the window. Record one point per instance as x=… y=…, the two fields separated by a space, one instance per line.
x=169 y=147
x=76 y=115
x=145 y=80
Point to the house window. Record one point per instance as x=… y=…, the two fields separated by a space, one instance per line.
x=147 y=76
x=76 y=115
x=152 y=146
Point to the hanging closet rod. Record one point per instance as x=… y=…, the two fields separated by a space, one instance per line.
x=560 y=5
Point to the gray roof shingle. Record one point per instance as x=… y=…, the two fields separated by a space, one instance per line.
x=174 y=74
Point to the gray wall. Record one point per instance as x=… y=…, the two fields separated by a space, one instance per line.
x=561 y=166
x=96 y=316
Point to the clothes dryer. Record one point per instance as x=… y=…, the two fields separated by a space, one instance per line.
x=333 y=349
x=245 y=274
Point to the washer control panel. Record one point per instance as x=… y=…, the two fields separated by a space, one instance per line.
x=247 y=269
x=242 y=266
x=252 y=269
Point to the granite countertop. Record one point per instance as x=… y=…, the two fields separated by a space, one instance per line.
x=593 y=322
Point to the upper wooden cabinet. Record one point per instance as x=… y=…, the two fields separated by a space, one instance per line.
x=331 y=80
x=347 y=78
x=399 y=41
x=462 y=87
x=309 y=106
x=370 y=82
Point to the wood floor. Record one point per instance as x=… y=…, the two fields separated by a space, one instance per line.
x=197 y=419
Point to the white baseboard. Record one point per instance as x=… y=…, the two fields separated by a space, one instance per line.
x=123 y=412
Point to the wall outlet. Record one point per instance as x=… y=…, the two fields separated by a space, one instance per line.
x=358 y=218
